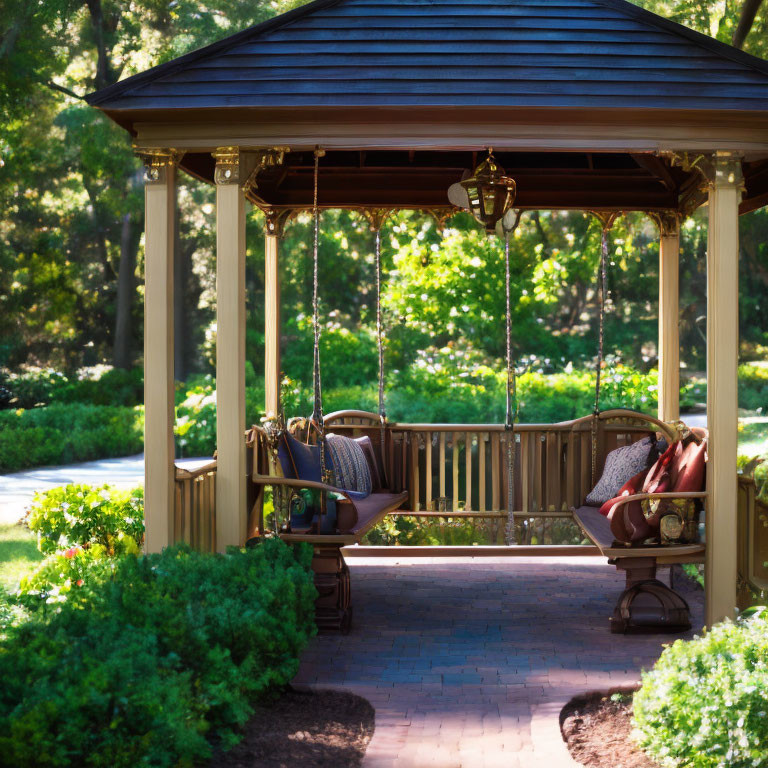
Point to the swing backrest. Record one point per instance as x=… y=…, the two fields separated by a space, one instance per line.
x=615 y=428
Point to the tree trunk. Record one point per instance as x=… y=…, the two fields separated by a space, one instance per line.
x=126 y=288
x=746 y=20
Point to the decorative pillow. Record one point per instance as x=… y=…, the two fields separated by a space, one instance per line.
x=301 y=461
x=349 y=464
x=630 y=488
x=621 y=465
x=373 y=464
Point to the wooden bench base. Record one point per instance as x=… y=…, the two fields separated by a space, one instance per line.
x=333 y=609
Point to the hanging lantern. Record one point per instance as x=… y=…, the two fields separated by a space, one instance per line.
x=487 y=194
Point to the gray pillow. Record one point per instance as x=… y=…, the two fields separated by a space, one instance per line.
x=621 y=465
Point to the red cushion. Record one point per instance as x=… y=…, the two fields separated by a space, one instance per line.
x=681 y=468
x=690 y=467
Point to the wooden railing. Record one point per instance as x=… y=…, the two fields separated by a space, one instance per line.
x=461 y=469
x=753 y=545
x=194 y=520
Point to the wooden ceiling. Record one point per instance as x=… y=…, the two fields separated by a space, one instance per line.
x=419 y=179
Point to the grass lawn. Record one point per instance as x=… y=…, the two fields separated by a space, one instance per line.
x=18 y=554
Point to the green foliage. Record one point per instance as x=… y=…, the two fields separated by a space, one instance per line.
x=157 y=658
x=703 y=705
x=66 y=433
x=97 y=386
x=753 y=387
x=82 y=515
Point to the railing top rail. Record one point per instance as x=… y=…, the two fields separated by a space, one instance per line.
x=195 y=470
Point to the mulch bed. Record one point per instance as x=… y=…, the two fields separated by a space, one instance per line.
x=597 y=728
x=304 y=728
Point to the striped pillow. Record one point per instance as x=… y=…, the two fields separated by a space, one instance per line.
x=350 y=466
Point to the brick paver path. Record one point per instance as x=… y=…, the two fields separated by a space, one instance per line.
x=469 y=661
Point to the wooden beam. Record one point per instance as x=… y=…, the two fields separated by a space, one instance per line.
x=231 y=512
x=725 y=185
x=159 y=451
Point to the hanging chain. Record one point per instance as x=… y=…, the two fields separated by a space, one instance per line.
x=601 y=282
x=317 y=412
x=510 y=534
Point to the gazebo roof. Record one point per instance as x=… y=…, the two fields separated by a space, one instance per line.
x=503 y=53
x=405 y=93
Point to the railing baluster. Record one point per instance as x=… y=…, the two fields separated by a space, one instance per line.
x=495 y=476
x=441 y=457
x=468 y=471
x=455 y=460
x=428 y=472
x=415 y=506
x=481 y=471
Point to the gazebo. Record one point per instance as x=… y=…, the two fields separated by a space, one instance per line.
x=589 y=104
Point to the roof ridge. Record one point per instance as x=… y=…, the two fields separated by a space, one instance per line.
x=707 y=42
x=169 y=67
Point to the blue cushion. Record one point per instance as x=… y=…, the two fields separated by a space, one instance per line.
x=301 y=461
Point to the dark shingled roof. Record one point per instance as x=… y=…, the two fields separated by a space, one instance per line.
x=501 y=53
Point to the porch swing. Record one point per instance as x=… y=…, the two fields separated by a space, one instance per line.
x=548 y=468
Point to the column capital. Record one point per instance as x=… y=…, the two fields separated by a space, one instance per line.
x=668 y=222
x=227 y=165
x=721 y=169
x=275 y=220
x=156 y=161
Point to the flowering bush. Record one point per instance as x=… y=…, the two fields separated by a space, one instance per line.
x=63 y=575
x=704 y=703
x=81 y=515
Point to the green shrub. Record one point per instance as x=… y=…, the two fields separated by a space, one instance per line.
x=66 y=433
x=703 y=705
x=100 y=385
x=158 y=657
x=753 y=387
x=81 y=515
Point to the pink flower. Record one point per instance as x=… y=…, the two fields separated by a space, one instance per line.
x=79 y=582
x=71 y=552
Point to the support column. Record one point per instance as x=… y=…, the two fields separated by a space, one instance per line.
x=231 y=512
x=274 y=224
x=669 y=316
x=725 y=188
x=159 y=197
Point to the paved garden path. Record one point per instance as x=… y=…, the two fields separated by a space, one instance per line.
x=17 y=489
x=469 y=661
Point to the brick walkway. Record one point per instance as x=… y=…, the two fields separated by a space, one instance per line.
x=468 y=662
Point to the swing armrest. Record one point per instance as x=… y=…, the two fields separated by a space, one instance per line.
x=296 y=483
x=346 y=509
x=663 y=495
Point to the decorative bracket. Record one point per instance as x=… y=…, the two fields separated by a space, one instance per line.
x=275 y=220
x=668 y=222
x=264 y=159
x=157 y=161
x=606 y=218
x=227 y=165
x=376 y=217
x=441 y=215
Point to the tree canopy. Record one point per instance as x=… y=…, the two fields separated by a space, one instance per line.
x=71 y=252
